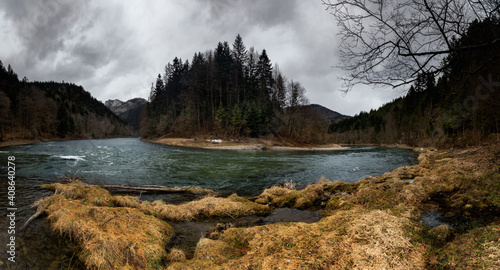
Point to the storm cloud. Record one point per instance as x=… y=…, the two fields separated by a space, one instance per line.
x=115 y=49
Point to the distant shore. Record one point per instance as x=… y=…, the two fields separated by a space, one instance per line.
x=242 y=144
x=14 y=142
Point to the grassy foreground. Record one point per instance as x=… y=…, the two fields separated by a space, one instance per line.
x=371 y=224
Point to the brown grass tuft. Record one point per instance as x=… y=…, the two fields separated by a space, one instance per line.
x=311 y=196
x=79 y=190
x=109 y=237
x=176 y=255
x=354 y=239
x=233 y=206
x=126 y=201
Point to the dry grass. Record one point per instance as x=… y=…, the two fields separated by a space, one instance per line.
x=233 y=206
x=353 y=239
x=123 y=231
x=478 y=248
x=176 y=255
x=126 y=201
x=109 y=237
x=456 y=182
x=81 y=191
x=312 y=196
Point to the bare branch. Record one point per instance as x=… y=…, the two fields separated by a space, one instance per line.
x=389 y=42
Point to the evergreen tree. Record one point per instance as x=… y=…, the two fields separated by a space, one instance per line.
x=11 y=73
x=223 y=89
x=251 y=75
x=222 y=58
x=240 y=56
x=221 y=117
x=264 y=75
x=236 y=118
x=239 y=51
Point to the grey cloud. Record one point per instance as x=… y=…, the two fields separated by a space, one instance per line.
x=115 y=49
x=260 y=12
x=43 y=26
x=73 y=38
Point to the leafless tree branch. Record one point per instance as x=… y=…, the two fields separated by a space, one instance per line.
x=389 y=42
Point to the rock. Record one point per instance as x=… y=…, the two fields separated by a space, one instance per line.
x=215 y=232
x=440 y=233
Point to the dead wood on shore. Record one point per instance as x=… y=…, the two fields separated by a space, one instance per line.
x=33 y=217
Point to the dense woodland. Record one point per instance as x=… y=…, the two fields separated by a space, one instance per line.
x=47 y=110
x=458 y=108
x=229 y=91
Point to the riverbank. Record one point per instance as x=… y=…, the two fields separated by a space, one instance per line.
x=22 y=139
x=375 y=223
x=16 y=141
x=243 y=144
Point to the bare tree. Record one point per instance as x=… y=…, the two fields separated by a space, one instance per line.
x=390 y=42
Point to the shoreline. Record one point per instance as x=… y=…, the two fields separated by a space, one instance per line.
x=246 y=144
x=18 y=142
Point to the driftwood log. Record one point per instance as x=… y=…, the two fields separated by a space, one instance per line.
x=148 y=188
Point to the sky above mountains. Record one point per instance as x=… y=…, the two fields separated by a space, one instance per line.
x=115 y=49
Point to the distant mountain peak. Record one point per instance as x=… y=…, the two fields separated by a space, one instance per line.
x=333 y=116
x=130 y=111
x=115 y=103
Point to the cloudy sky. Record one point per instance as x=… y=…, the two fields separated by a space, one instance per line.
x=115 y=49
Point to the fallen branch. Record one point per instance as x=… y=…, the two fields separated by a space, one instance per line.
x=148 y=188
x=105 y=222
x=33 y=217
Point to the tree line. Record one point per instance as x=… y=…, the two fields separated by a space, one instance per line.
x=228 y=91
x=458 y=108
x=37 y=110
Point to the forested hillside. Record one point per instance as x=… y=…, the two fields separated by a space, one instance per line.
x=458 y=108
x=228 y=91
x=49 y=110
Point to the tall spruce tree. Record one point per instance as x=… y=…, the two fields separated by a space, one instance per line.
x=240 y=57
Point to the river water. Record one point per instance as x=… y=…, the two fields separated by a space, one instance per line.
x=132 y=161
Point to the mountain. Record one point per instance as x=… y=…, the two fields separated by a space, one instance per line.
x=129 y=111
x=324 y=112
x=51 y=110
